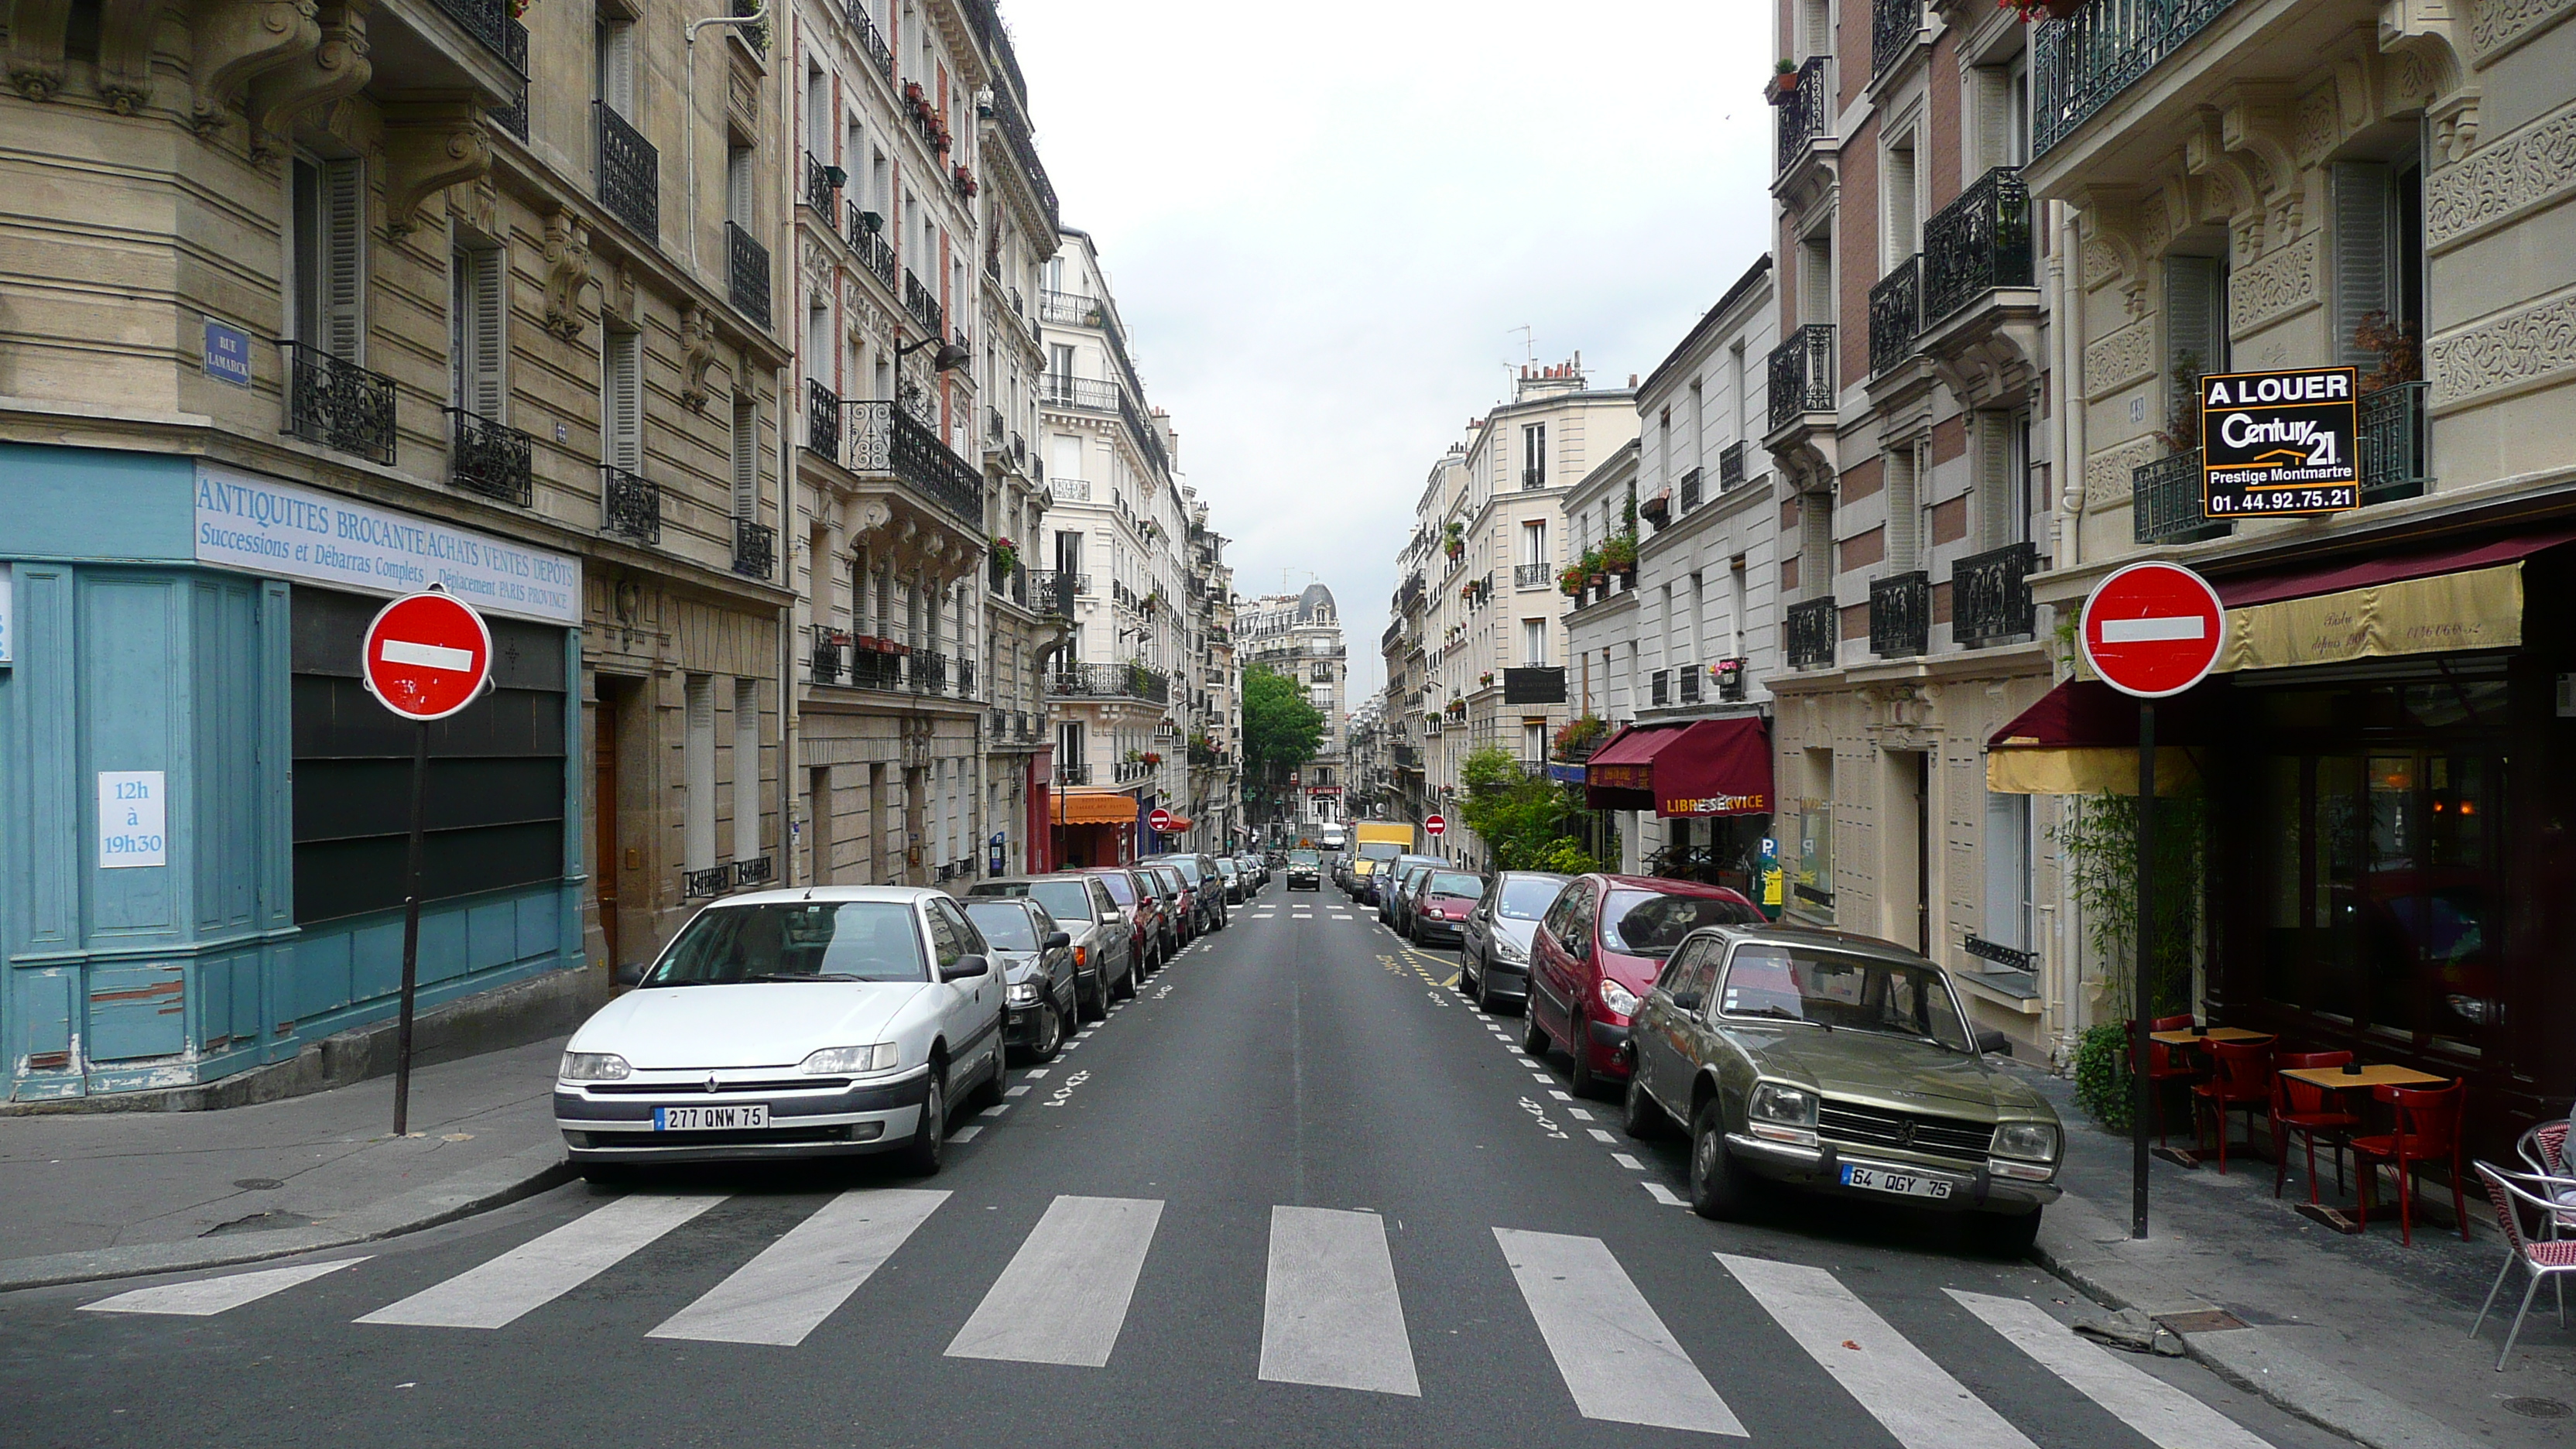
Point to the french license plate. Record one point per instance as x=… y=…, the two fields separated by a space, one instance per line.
x=746 y=1115
x=1903 y=1184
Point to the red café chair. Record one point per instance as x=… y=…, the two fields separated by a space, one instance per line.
x=2243 y=1082
x=2165 y=1065
x=2428 y=1130
x=2298 y=1107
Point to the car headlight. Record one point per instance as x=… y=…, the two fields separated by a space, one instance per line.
x=1618 y=998
x=1782 y=1113
x=593 y=1067
x=1024 y=993
x=830 y=1061
x=2028 y=1141
x=1510 y=950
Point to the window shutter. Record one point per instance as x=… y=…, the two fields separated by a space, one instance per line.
x=2191 y=310
x=746 y=458
x=617 y=67
x=622 y=383
x=2360 y=199
x=487 y=303
x=1994 y=481
x=1994 y=117
x=1901 y=508
x=344 y=269
x=2007 y=869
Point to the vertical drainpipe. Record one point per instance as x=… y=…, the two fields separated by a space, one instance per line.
x=2067 y=287
x=787 y=38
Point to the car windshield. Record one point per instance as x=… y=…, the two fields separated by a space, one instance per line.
x=1854 y=993
x=1380 y=850
x=1066 y=900
x=1527 y=897
x=1226 y=867
x=796 y=941
x=1305 y=858
x=1456 y=883
x=1122 y=888
x=1005 y=925
x=1650 y=923
x=1188 y=868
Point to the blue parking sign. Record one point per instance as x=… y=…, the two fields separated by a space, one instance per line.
x=227 y=353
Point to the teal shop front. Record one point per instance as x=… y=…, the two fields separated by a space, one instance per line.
x=203 y=814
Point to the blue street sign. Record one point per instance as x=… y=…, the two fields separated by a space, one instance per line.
x=227 y=353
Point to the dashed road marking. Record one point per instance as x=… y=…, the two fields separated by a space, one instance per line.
x=1624 y=1160
x=967 y=1133
x=1662 y=1194
x=1600 y=1136
x=1021 y=1090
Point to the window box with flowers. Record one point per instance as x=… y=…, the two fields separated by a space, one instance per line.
x=1619 y=556
x=1006 y=554
x=963 y=178
x=1576 y=739
x=1485 y=680
x=1150 y=758
x=2032 y=11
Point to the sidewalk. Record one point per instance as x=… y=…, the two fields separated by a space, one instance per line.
x=2360 y=1334
x=105 y=1195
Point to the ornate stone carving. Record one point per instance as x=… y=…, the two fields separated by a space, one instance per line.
x=2518 y=171
x=2519 y=348
x=127 y=30
x=2455 y=129
x=430 y=145
x=235 y=41
x=617 y=295
x=697 y=354
x=2502 y=24
x=2275 y=287
x=2118 y=359
x=36 y=33
x=335 y=68
x=567 y=272
x=2317 y=131
x=2106 y=473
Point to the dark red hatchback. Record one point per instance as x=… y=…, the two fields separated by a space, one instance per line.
x=1595 y=954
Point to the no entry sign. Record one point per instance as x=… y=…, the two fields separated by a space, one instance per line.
x=2152 y=629
x=1436 y=825
x=1161 y=820
x=427 y=656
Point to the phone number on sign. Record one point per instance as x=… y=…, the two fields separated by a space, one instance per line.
x=2287 y=500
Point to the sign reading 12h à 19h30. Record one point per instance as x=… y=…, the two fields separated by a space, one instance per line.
x=2278 y=444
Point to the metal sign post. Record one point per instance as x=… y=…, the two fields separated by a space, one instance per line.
x=411 y=929
x=2141 y=1089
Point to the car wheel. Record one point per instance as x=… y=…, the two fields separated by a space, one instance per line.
x=988 y=1092
x=1127 y=985
x=1583 y=1082
x=2003 y=1235
x=1720 y=1187
x=1091 y=1005
x=1467 y=982
x=1050 y=1033
x=929 y=1145
x=1486 y=1001
x=1533 y=1035
x=1639 y=1117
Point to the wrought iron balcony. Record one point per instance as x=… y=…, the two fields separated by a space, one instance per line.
x=1801 y=374
x=872 y=41
x=1990 y=596
x=1659 y=688
x=1730 y=466
x=1691 y=488
x=1900 y=615
x=2392 y=445
x=2165 y=502
x=487 y=21
x=823 y=186
x=1893 y=26
x=995 y=432
x=926 y=670
x=747 y=269
x=965 y=678
x=1807 y=114
x=1078 y=392
x=1977 y=244
x=1533 y=478
x=630 y=171
x=513 y=118
x=629 y=506
x=1895 y=315
x=822 y=421
x=1073 y=773
x=1070 y=309
x=875 y=668
x=487 y=458
x=1815 y=633
x=826 y=659
x=2080 y=64
x=923 y=304
x=1686 y=683
x=881 y=438
x=1055 y=590
x=1530 y=576
x=755 y=549
x=338 y=403
x=1112 y=681
x=715 y=880
x=875 y=252
x=755 y=871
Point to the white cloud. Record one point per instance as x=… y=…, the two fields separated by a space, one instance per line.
x=1324 y=225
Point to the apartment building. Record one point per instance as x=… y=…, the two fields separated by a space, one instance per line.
x=1907 y=420
x=1216 y=737
x=1300 y=636
x=310 y=307
x=1411 y=647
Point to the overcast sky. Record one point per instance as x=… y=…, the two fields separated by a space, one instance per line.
x=1325 y=225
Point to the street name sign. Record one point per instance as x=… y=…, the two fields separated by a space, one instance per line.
x=427 y=656
x=2152 y=629
x=2280 y=444
x=1436 y=825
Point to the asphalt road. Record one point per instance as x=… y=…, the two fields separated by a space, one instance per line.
x=1299 y=1193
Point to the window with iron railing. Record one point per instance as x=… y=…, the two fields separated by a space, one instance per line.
x=1895 y=315
x=1900 y=615
x=1801 y=374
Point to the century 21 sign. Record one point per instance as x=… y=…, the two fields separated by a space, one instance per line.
x=2275 y=444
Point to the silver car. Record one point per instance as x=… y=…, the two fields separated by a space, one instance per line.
x=1494 y=944
x=820 y=1022
x=1104 y=968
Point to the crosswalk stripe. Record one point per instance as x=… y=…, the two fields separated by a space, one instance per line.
x=1065 y=1294
x=1331 y=1314
x=209 y=1296
x=2166 y=1415
x=539 y=1271
x=1617 y=1359
x=1896 y=1382
x=786 y=1292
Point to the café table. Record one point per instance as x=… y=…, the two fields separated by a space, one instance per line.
x=2336 y=1079
x=2198 y=1035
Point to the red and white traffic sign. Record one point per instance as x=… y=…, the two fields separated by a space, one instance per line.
x=2152 y=629
x=1436 y=825
x=427 y=656
x=1161 y=819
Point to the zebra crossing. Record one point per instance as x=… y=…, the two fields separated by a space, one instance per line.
x=1333 y=1312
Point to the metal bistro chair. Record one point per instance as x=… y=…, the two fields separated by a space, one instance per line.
x=2304 y=1110
x=2545 y=1148
x=2428 y=1130
x=2165 y=1065
x=2243 y=1082
x=2541 y=1258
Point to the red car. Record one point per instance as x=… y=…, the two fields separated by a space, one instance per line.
x=1595 y=954
x=1143 y=909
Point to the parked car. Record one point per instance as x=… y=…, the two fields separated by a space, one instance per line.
x=1104 y=955
x=1233 y=875
x=884 y=997
x=1305 y=870
x=1494 y=943
x=1257 y=866
x=1141 y=907
x=1207 y=888
x=1180 y=914
x=1440 y=903
x=1392 y=885
x=1035 y=957
x=1597 y=950
x=1841 y=1064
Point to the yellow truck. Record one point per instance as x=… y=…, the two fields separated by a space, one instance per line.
x=1377 y=843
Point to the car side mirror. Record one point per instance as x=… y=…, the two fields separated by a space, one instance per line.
x=1994 y=1043
x=631 y=974
x=1059 y=940
x=964 y=967
x=1686 y=1001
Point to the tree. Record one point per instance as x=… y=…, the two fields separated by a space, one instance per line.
x=1281 y=727
x=1526 y=820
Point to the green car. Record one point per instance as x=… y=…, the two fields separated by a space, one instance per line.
x=1838 y=1063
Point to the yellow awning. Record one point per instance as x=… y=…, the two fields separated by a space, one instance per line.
x=2472 y=609
x=1095 y=807
x=2103 y=770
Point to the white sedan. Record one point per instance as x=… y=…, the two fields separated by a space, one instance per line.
x=822 y=1022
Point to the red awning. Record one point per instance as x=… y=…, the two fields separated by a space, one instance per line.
x=2082 y=739
x=2268 y=588
x=1684 y=768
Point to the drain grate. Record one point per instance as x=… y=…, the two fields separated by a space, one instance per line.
x=2208 y=1321
x=257 y=1184
x=2536 y=1408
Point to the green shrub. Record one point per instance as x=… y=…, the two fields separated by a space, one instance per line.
x=2103 y=1087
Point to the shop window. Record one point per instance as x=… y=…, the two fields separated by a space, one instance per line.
x=1812 y=887
x=496 y=770
x=2008 y=915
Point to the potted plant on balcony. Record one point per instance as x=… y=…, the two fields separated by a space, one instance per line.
x=2031 y=11
x=1150 y=758
x=1569 y=581
x=1594 y=573
x=1006 y=554
x=1577 y=738
x=964 y=179
x=2394 y=343
x=1783 y=83
x=1485 y=680
x=1619 y=556
x=1658 y=509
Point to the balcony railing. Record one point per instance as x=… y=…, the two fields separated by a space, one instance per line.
x=629 y=506
x=513 y=118
x=338 y=403
x=926 y=670
x=1070 y=309
x=1659 y=688
x=1815 y=633
x=1990 y=596
x=630 y=172
x=1079 y=392
x=875 y=252
x=965 y=679
x=1069 y=490
x=879 y=438
x=1893 y=25
x=872 y=41
x=826 y=660
x=487 y=458
x=822 y=421
x=487 y=21
x=747 y=270
x=1112 y=681
x=1806 y=114
x=1895 y=315
x=1530 y=576
x=1686 y=684
x=1054 y=591
x=2165 y=502
x=2392 y=443
x=1692 y=483
x=2079 y=64
x=755 y=549
x=1900 y=615
x=923 y=304
x=1730 y=466
x=875 y=669
x=1533 y=478
x=1977 y=244
x=822 y=189
x=1073 y=773
x=1801 y=376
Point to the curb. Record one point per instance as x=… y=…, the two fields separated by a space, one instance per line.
x=482 y=1189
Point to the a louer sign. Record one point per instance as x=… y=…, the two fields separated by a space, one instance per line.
x=2280 y=444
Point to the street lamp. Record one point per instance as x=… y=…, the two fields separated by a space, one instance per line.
x=949 y=356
